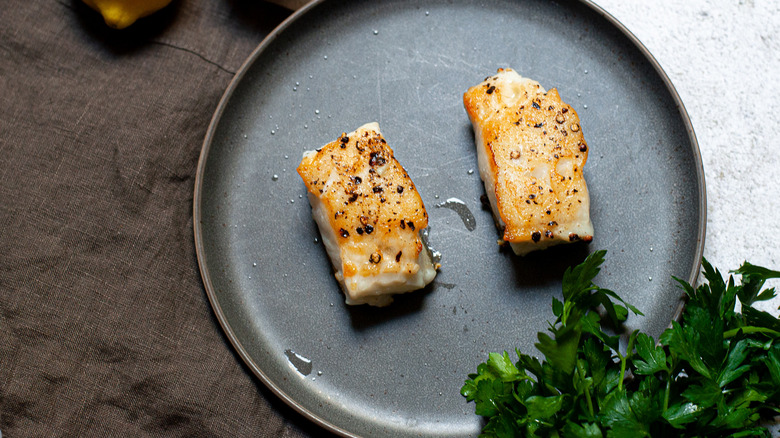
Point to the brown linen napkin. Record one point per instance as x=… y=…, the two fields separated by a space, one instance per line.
x=105 y=328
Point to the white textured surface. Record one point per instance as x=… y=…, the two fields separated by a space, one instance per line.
x=723 y=57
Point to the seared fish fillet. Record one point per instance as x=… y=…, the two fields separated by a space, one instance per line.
x=531 y=152
x=370 y=217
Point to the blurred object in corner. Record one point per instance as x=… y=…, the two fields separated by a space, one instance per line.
x=120 y=14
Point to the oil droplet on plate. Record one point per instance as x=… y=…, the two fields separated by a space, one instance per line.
x=435 y=255
x=463 y=211
x=300 y=363
x=275 y=177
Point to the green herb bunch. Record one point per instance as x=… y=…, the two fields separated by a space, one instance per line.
x=715 y=374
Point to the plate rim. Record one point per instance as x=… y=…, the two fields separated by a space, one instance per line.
x=223 y=103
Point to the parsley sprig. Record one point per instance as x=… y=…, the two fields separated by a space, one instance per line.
x=716 y=373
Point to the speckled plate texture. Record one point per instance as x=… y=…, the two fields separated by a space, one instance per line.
x=333 y=66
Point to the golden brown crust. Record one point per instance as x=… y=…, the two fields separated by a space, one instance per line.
x=535 y=151
x=374 y=206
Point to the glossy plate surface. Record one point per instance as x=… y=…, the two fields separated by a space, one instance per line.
x=334 y=66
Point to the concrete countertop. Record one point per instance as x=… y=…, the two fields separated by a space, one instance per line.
x=723 y=57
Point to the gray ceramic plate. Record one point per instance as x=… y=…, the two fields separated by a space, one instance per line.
x=333 y=66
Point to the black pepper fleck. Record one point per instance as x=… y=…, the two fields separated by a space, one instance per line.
x=376 y=159
x=344 y=233
x=536 y=236
x=369 y=229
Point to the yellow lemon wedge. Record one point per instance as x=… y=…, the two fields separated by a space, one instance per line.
x=122 y=13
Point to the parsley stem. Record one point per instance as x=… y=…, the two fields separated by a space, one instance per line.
x=622 y=371
x=624 y=359
x=666 y=391
x=587 y=391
